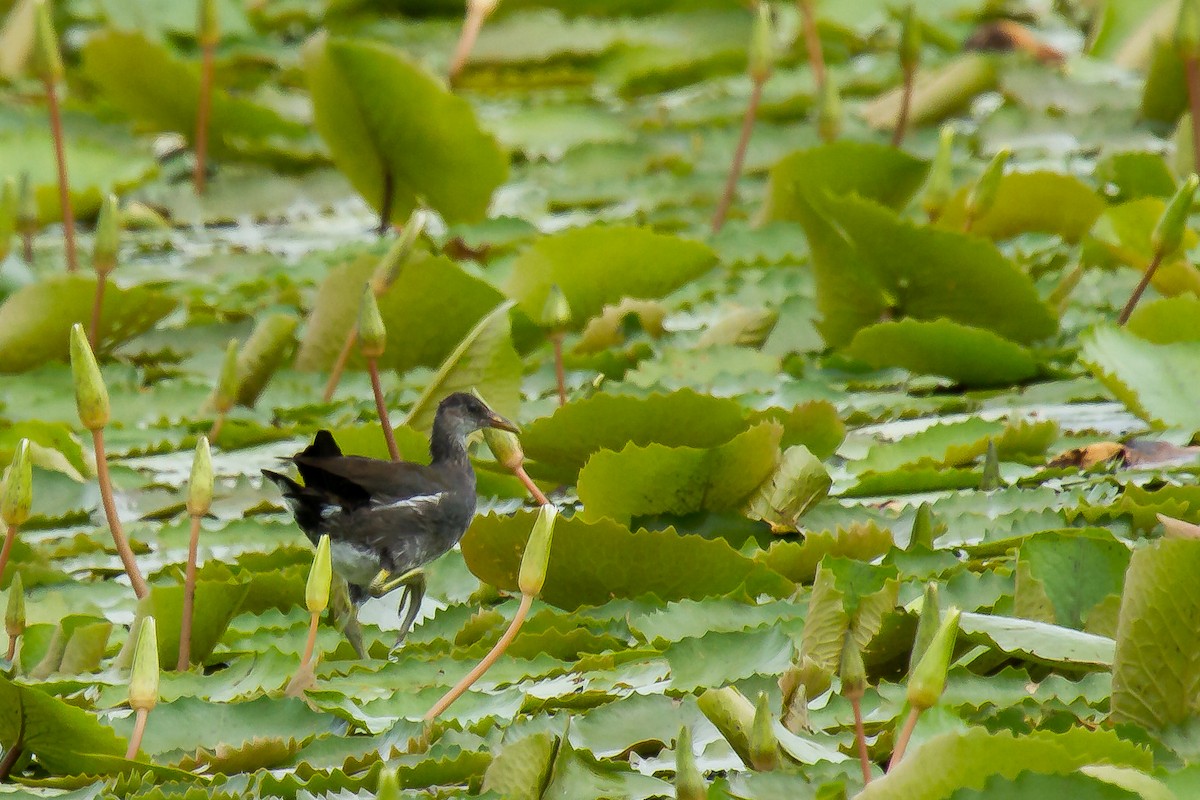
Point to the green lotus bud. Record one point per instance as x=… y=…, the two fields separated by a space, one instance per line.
x=18 y=488
x=316 y=591
x=928 y=680
x=537 y=552
x=991 y=469
x=108 y=237
x=200 y=487
x=829 y=111
x=982 y=196
x=27 y=206
x=764 y=747
x=47 y=61
x=8 y=215
x=939 y=187
x=91 y=396
x=927 y=625
x=1187 y=30
x=143 y=680
x=372 y=336
x=1168 y=232
x=228 y=382
x=388 y=787
x=689 y=781
x=394 y=259
x=505 y=446
x=762 y=45
x=209 y=28
x=853 y=670
x=922 y=529
x=910 y=39
x=732 y=714
x=14 y=614
x=556 y=313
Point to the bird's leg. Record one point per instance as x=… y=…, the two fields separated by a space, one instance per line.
x=343 y=613
x=413 y=583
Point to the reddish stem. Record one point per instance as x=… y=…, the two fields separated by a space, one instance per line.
x=189 y=599
x=11 y=756
x=339 y=366
x=202 y=113
x=139 y=729
x=27 y=245
x=311 y=644
x=217 y=425
x=1151 y=268
x=472 y=25
x=520 y=472
x=381 y=408
x=812 y=42
x=64 y=186
x=485 y=663
x=114 y=522
x=97 y=306
x=910 y=78
x=10 y=536
x=906 y=733
x=1191 y=71
x=739 y=155
x=559 y=374
x=860 y=735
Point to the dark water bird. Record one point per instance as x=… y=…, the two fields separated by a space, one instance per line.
x=387 y=519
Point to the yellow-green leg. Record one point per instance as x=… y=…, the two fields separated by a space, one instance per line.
x=413 y=583
x=343 y=614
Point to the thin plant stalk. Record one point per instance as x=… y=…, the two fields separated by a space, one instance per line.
x=532 y=488
x=860 y=735
x=1191 y=71
x=1140 y=289
x=739 y=155
x=910 y=724
x=139 y=730
x=11 y=756
x=189 y=597
x=559 y=374
x=910 y=80
x=812 y=41
x=385 y=421
x=217 y=425
x=64 y=186
x=203 y=107
x=27 y=246
x=486 y=663
x=114 y=522
x=12 y=649
x=477 y=12
x=339 y=366
x=97 y=307
x=10 y=536
x=314 y=620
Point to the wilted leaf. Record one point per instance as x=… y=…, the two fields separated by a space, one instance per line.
x=799 y=482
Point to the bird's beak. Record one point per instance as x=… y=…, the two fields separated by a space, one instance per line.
x=497 y=421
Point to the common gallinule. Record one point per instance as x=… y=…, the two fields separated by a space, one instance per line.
x=386 y=519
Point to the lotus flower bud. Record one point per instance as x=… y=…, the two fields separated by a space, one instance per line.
x=1187 y=30
x=316 y=591
x=536 y=557
x=209 y=28
x=14 y=614
x=762 y=45
x=372 y=336
x=388 y=787
x=927 y=682
x=18 y=488
x=927 y=625
x=556 y=313
x=689 y=781
x=939 y=187
x=991 y=469
x=910 y=40
x=731 y=713
x=200 y=487
x=91 y=396
x=764 y=747
x=227 y=383
x=1168 y=233
x=47 y=61
x=829 y=111
x=108 y=237
x=505 y=446
x=982 y=196
x=394 y=259
x=143 y=681
x=922 y=529
x=853 y=671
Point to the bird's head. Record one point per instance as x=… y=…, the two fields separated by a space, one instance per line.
x=465 y=413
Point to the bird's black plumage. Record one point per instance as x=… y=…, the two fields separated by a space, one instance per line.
x=387 y=516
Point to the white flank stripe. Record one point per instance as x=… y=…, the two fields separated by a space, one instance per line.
x=414 y=502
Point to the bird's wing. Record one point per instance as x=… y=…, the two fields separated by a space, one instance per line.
x=358 y=481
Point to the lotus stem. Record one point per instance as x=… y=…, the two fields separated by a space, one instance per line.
x=97 y=306
x=477 y=12
x=1191 y=70
x=314 y=620
x=860 y=735
x=27 y=246
x=203 y=106
x=910 y=79
x=812 y=41
x=189 y=598
x=739 y=155
x=114 y=522
x=485 y=663
x=559 y=374
x=64 y=186
x=1140 y=289
x=523 y=476
x=10 y=537
x=217 y=425
x=11 y=756
x=385 y=422
x=910 y=724
x=139 y=730
x=339 y=366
